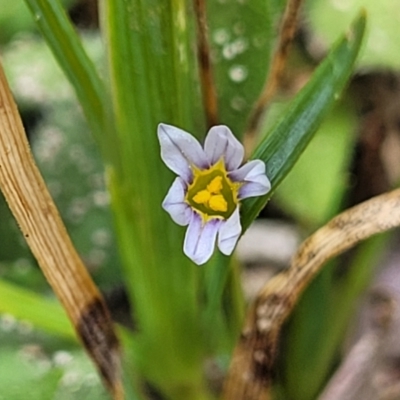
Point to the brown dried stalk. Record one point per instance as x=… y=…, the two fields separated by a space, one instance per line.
x=250 y=374
x=274 y=79
x=33 y=208
x=205 y=68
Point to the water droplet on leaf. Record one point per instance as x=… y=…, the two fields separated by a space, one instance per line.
x=238 y=73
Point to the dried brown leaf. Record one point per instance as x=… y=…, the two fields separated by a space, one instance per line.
x=250 y=374
x=33 y=208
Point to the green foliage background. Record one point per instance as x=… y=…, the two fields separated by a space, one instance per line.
x=138 y=70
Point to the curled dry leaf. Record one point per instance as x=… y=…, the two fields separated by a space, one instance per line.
x=33 y=208
x=250 y=374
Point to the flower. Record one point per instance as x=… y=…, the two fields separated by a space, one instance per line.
x=211 y=183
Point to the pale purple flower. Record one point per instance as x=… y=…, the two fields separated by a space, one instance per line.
x=211 y=183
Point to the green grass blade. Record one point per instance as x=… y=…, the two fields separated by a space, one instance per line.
x=67 y=48
x=289 y=137
x=49 y=316
x=43 y=313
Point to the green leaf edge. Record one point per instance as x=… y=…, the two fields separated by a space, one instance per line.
x=281 y=148
x=43 y=313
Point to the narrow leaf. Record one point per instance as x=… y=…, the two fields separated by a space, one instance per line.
x=43 y=313
x=67 y=48
x=289 y=137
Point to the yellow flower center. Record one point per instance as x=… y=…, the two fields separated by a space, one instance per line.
x=212 y=194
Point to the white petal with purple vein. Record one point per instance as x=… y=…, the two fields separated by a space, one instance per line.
x=229 y=233
x=254 y=189
x=255 y=181
x=200 y=239
x=174 y=203
x=248 y=170
x=219 y=142
x=179 y=150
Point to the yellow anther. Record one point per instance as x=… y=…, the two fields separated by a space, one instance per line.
x=218 y=203
x=202 y=197
x=215 y=186
x=212 y=194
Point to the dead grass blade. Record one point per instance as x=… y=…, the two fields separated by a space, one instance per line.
x=274 y=79
x=33 y=208
x=208 y=88
x=250 y=374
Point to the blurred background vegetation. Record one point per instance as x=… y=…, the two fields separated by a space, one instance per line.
x=348 y=161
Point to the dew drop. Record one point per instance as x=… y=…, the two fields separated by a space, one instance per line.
x=101 y=237
x=238 y=73
x=228 y=52
x=240 y=45
x=101 y=198
x=62 y=358
x=7 y=322
x=77 y=210
x=221 y=36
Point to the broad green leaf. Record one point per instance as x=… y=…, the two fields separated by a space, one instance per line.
x=152 y=76
x=242 y=36
x=289 y=137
